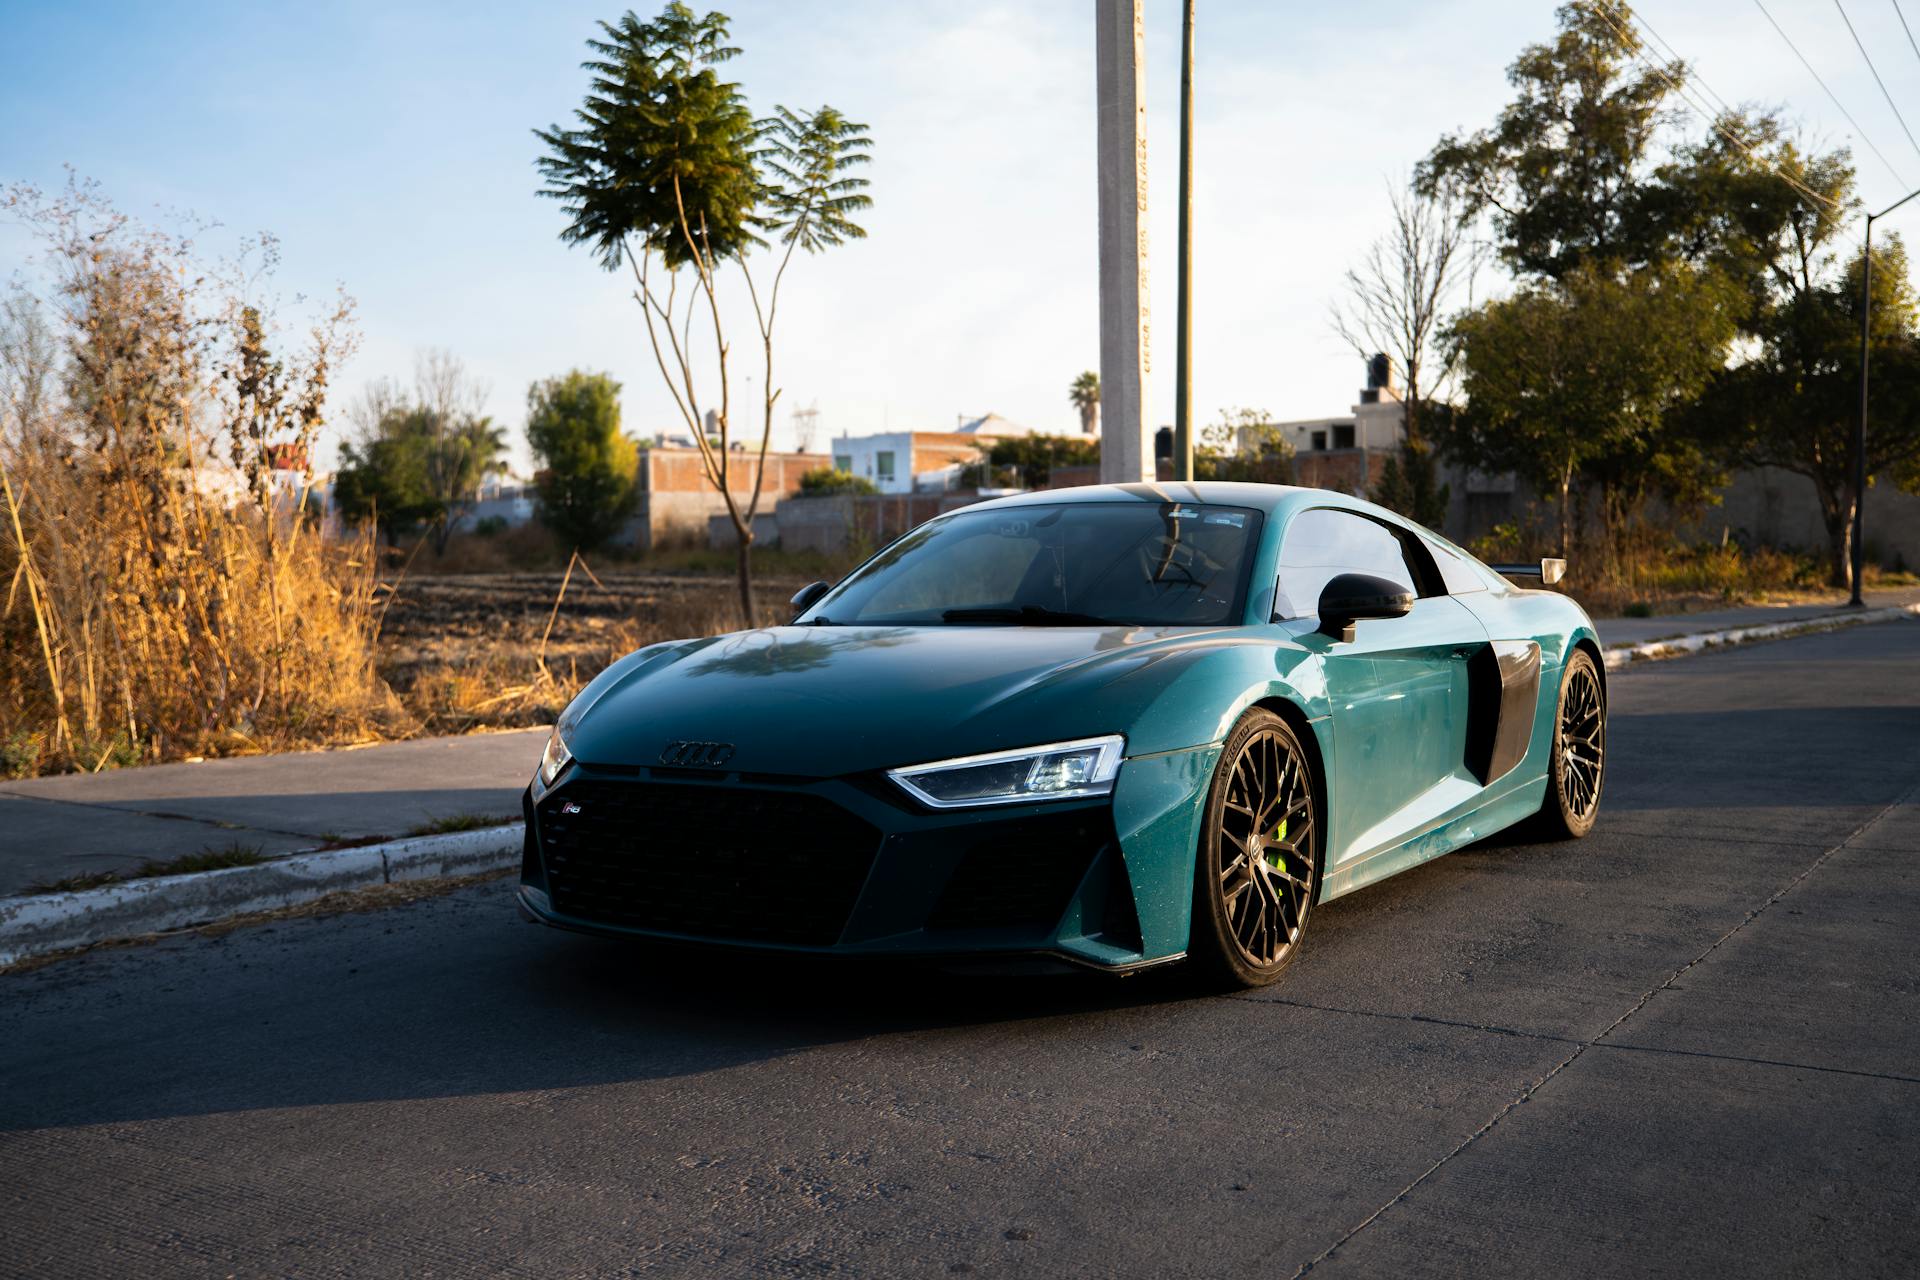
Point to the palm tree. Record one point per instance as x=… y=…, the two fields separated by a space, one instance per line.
x=1085 y=396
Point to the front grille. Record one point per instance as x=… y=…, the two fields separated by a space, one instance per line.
x=1019 y=879
x=711 y=862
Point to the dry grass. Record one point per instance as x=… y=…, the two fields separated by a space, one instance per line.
x=1654 y=572
x=164 y=596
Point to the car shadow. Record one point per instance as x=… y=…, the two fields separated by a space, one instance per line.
x=354 y=1009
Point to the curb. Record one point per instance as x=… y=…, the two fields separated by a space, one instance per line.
x=44 y=923
x=49 y=922
x=1683 y=646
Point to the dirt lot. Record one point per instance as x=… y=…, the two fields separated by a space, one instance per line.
x=466 y=651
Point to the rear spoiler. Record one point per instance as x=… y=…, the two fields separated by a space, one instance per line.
x=1549 y=570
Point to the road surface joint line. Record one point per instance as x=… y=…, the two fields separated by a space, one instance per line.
x=1491 y=1028
x=96 y=807
x=1487 y=1027
x=1598 y=1041
x=1758 y=1062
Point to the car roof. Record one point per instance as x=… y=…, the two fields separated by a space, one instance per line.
x=1269 y=498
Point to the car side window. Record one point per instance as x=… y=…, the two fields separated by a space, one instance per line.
x=1321 y=544
x=1460 y=579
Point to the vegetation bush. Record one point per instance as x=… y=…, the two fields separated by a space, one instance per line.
x=824 y=481
x=1656 y=572
x=1028 y=462
x=170 y=593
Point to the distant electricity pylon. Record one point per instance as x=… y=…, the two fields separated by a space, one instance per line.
x=806 y=425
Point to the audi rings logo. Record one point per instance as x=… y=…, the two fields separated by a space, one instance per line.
x=697 y=755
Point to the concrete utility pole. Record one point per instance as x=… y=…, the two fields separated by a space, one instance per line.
x=1126 y=441
x=1183 y=307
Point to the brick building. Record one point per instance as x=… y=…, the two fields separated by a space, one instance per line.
x=675 y=500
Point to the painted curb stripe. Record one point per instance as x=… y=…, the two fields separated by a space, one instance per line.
x=1683 y=646
x=48 y=922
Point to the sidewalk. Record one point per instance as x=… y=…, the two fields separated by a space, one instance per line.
x=53 y=828
x=1615 y=632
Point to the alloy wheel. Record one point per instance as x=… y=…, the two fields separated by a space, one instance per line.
x=1267 y=848
x=1583 y=742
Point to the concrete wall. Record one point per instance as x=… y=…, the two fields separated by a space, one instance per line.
x=721 y=535
x=846 y=521
x=675 y=500
x=1780 y=509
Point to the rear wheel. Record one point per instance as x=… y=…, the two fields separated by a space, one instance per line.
x=1578 y=767
x=1259 y=858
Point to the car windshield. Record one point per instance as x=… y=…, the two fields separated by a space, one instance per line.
x=1062 y=564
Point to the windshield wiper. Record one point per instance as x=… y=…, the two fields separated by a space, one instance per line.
x=1027 y=615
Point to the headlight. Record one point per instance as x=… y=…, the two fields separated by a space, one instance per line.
x=555 y=758
x=1056 y=771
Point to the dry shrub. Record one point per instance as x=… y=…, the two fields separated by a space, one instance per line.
x=1651 y=570
x=168 y=592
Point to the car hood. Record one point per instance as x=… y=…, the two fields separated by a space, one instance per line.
x=824 y=701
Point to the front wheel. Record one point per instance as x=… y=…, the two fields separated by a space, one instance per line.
x=1259 y=858
x=1578 y=765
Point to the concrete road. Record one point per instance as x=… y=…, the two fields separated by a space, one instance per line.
x=1689 y=1045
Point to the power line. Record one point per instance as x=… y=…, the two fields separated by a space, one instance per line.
x=1718 y=123
x=1633 y=17
x=1876 y=74
x=1904 y=27
x=1862 y=133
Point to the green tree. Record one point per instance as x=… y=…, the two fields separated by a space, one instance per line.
x=383 y=478
x=1084 y=395
x=1030 y=461
x=1410 y=484
x=1564 y=376
x=1565 y=168
x=1243 y=444
x=668 y=172
x=1795 y=402
x=421 y=455
x=586 y=464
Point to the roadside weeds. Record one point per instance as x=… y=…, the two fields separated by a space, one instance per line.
x=377 y=897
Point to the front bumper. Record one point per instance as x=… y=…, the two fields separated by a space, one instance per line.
x=852 y=866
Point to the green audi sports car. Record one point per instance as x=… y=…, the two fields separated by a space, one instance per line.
x=1115 y=726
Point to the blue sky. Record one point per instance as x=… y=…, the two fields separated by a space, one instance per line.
x=390 y=148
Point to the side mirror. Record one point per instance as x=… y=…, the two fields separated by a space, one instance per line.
x=806 y=597
x=1352 y=596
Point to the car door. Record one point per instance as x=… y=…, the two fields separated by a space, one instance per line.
x=1398 y=691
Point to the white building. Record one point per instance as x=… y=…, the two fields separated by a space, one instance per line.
x=921 y=461
x=1378 y=421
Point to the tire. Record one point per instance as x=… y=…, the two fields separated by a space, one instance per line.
x=1576 y=772
x=1258 y=865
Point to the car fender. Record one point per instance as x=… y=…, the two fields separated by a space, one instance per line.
x=1174 y=746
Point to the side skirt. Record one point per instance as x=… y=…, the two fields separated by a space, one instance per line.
x=1515 y=804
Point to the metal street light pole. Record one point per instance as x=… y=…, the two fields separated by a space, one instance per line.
x=1860 y=427
x=1183 y=341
